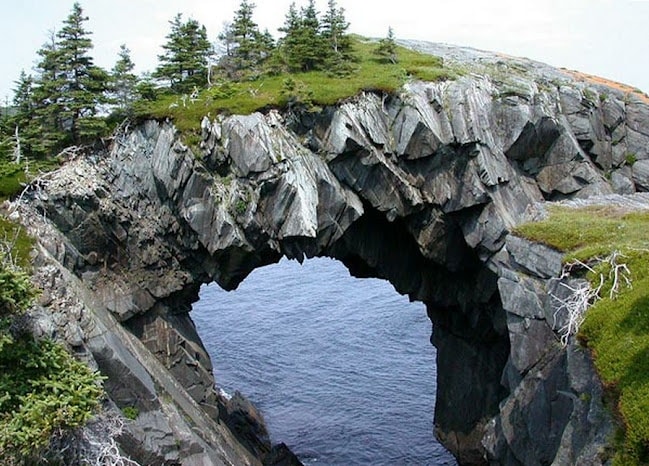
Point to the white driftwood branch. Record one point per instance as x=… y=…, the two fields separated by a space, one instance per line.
x=581 y=297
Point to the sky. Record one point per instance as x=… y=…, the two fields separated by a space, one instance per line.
x=608 y=38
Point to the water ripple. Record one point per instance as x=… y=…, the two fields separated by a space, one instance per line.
x=341 y=368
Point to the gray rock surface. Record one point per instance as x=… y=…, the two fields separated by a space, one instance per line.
x=421 y=188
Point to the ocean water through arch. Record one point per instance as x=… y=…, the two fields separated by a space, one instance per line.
x=341 y=368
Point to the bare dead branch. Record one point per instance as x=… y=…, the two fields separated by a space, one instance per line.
x=580 y=298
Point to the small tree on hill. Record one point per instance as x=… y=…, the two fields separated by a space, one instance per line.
x=303 y=46
x=84 y=83
x=23 y=134
x=334 y=30
x=124 y=82
x=47 y=98
x=246 y=47
x=187 y=52
x=387 y=48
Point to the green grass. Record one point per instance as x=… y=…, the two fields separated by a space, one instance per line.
x=589 y=232
x=20 y=242
x=12 y=182
x=370 y=74
x=13 y=176
x=616 y=330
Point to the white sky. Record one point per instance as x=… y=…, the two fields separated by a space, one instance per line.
x=609 y=38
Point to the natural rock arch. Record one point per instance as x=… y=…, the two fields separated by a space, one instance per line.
x=420 y=189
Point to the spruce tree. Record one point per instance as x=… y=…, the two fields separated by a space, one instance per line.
x=312 y=46
x=246 y=47
x=84 y=84
x=290 y=42
x=124 y=82
x=187 y=52
x=334 y=31
x=387 y=48
x=49 y=85
x=303 y=46
x=23 y=132
x=245 y=35
x=59 y=105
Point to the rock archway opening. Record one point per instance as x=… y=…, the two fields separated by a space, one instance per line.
x=341 y=367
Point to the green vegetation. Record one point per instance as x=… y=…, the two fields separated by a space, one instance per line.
x=314 y=62
x=630 y=158
x=370 y=74
x=187 y=51
x=14 y=176
x=590 y=231
x=131 y=412
x=14 y=238
x=387 y=48
x=617 y=329
x=44 y=391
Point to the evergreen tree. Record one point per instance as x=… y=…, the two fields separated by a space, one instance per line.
x=186 y=56
x=84 y=83
x=124 y=82
x=47 y=108
x=290 y=42
x=59 y=105
x=303 y=45
x=245 y=35
x=387 y=48
x=24 y=133
x=334 y=31
x=312 y=46
x=246 y=47
x=146 y=88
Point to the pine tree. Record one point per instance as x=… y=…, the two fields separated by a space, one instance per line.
x=387 y=48
x=186 y=56
x=246 y=47
x=312 y=48
x=85 y=83
x=124 y=82
x=25 y=134
x=48 y=89
x=334 y=31
x=303 y=46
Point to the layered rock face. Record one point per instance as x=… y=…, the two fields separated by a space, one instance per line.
x=420 y=188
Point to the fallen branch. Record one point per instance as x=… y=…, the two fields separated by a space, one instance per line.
x=581 y=297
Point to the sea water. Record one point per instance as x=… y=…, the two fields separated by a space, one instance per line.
x=341 y=368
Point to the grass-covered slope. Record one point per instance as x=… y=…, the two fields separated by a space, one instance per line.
x=314 y=88
x=616 y=329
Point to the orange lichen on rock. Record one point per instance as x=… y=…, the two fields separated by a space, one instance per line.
x=589 y=78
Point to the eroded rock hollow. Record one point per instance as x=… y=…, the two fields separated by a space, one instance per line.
x=421 y=188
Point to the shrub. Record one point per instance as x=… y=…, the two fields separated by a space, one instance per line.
x=130 y=412
x=44 y=390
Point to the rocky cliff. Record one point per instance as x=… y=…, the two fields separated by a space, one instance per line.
x=420 y=188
